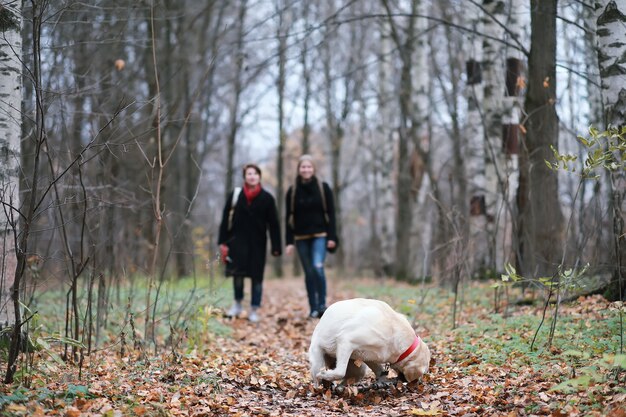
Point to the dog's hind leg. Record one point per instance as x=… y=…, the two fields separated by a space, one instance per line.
x=317 y=359
x=344 y=350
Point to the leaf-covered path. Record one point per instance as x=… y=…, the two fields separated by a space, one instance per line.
x=264 y=366
x=262 y=370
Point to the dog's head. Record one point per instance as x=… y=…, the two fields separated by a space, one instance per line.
x=416 y=364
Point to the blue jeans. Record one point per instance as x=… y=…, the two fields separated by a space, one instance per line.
x=312 y=254
x=257 y=290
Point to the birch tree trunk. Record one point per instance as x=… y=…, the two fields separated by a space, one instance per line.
x=512 y=136
x=593 y=81
x=10 y=135
x=602 y=244
x=477 y=256
x=383 y=163
x=503 y=83
x=611 y=35
x=422 y=232
x=540 y=217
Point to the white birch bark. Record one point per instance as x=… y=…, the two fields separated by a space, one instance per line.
x=600 y=195
x=422 y=233
x=10 y=135
x=611 y=33
x=384 y=162
x=494 y=71
x=476 y=150
x=502 y=109
x=593 y=82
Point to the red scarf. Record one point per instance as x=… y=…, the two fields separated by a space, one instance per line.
x=251 y=193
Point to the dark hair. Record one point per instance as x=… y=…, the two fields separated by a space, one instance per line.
x=253 y=166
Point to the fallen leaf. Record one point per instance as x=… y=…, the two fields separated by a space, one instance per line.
x=72 y=412
x=429 y=412
x=139 y=410
x=327 y=395
x=16 y=408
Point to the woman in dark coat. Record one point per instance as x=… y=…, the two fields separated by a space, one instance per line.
x=311 y=229
x=243 y=238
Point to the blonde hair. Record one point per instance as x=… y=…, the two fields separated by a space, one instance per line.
x=303 y=158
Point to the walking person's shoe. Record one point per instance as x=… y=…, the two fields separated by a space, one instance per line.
x=235 y=310
x=253 y=317
x=314 y=314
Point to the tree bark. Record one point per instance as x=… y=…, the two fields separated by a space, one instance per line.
x=611 y=35
x=540 y=218
x=404 y=42
x=475 y=139
x=10 y=141
x=284 y=17
x=234 y=121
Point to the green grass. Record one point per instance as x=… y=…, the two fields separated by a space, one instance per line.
x=184 y=305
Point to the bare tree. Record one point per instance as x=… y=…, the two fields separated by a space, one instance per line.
x=284 y=13
x=540 y=219
x=448 y=166
x=238 y=83
x=10 y=137
x=404 y=40
x=342 y=82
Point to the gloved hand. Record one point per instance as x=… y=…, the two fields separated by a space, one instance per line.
x=224 y=253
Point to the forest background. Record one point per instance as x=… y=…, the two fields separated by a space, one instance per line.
x=455 y=135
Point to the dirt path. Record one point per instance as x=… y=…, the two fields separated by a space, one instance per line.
x=265 y=371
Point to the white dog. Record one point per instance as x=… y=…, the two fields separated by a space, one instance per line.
x=358 y=332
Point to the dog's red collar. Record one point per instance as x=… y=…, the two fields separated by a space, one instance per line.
x=410 y=350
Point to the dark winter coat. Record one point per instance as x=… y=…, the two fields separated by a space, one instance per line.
x=308 y=211
x=247 y=239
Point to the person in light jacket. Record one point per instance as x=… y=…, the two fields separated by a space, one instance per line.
x=310 y=217
x=246 y=221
